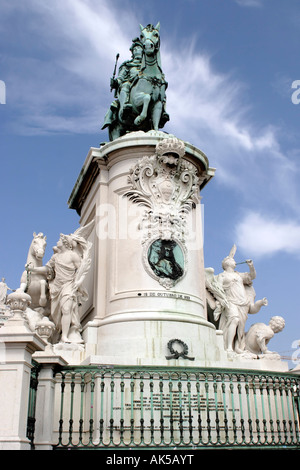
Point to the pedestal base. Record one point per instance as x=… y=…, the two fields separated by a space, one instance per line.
x=14 y=444
x=146 y=343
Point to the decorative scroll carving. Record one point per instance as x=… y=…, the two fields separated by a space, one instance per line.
x=168 y=186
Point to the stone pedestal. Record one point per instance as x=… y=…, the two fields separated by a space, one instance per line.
x=143 y=190
x=146 y=343
x=18 y=343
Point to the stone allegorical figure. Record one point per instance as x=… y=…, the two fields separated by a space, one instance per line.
x=66 y=272
x=235 y=303
x=3 y=291
x=259 y=335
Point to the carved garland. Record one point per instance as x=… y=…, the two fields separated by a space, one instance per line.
x=175 y=354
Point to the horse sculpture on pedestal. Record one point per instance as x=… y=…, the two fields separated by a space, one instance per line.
x=145 y=109
x=35 y=284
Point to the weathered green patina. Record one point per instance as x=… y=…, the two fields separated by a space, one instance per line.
x=131 y=407
x=140 y=99
x=166 y=259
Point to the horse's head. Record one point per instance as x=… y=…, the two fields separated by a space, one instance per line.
x=150 y=38
x=38 y=245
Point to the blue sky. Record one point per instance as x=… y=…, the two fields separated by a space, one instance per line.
x=230 y=65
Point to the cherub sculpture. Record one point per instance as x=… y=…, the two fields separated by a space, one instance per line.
x=232 y=297
x=259 y=335
x=66 y=271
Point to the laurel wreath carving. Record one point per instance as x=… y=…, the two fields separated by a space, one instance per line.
x=177 y=354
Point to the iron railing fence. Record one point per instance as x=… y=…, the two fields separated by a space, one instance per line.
x=156 y=407
x=31 y=418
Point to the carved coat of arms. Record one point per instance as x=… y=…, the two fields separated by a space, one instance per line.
x=167 y=186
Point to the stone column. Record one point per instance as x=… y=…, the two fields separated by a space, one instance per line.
x=18 y=343
x=44 y=412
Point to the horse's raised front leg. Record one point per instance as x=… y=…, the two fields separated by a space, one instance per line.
x=156 y=115
x=43 y=297
x=146 y=100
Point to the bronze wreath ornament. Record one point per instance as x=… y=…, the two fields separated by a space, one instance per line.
x=176 y=354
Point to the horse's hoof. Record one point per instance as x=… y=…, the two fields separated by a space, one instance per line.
x=137 y=121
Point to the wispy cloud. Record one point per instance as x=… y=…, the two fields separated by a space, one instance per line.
x=80 y=40
x=201 y=98
x=262 y=235
x=250 y=3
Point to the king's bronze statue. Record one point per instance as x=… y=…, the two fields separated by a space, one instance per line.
x=140 y=88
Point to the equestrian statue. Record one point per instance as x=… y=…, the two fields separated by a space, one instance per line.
x=140 y=88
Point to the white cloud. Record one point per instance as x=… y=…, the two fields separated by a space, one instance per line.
x=249 y=3
x=201 y=98
x=262 y=235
